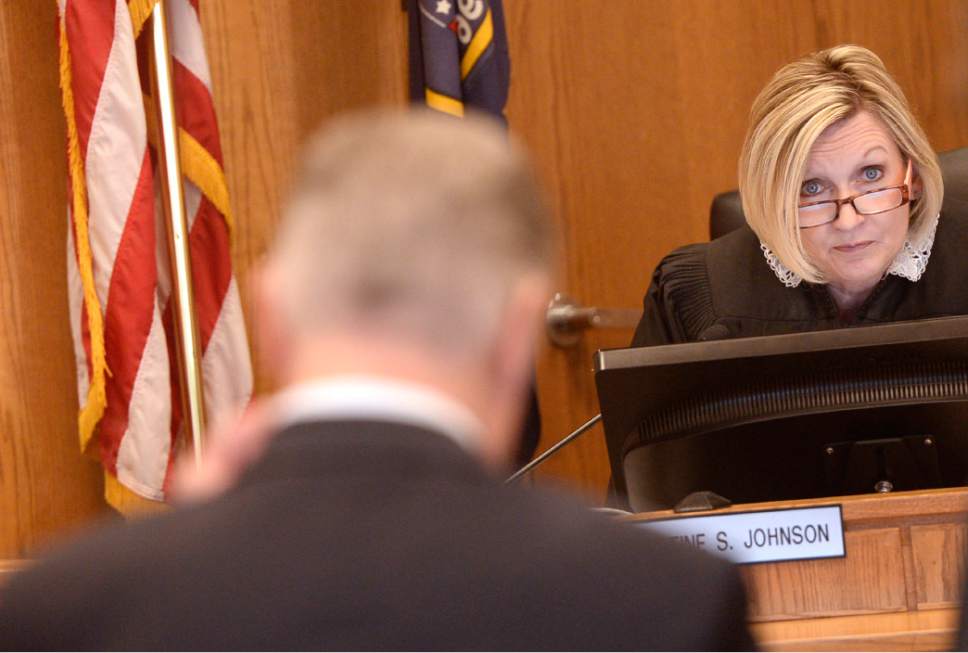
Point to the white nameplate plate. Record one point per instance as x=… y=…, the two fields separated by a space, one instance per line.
x=762 y=536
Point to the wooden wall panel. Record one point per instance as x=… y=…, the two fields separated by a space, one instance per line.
x=45 y=484
x=279 y=69
x=939 y=555
x=636 y=113
x=872 y=581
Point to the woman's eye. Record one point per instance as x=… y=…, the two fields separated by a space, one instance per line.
x=872 y=173
x=811 y=188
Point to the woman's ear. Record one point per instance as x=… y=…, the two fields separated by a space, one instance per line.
x=917 y=186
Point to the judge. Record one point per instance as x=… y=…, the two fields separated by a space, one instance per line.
x=846 y=225
x=843 y=198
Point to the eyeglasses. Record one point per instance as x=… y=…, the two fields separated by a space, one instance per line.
x=816 y=214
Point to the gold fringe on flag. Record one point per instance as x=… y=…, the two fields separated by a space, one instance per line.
x=127 y=502
x=205 y=172
x=140 y=11
x=93 y=409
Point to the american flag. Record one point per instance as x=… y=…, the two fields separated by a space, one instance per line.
x=118 y=275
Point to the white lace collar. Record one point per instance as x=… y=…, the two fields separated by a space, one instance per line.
x=910 y=262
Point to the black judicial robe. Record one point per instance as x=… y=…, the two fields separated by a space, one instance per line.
x=725 y=289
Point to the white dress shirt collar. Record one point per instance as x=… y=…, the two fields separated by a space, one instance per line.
x=381 y=399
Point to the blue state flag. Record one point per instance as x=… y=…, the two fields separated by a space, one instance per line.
x=459 y=55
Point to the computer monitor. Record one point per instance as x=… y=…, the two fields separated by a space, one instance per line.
x=803 y=415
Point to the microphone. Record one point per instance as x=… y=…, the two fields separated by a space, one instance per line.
x=554 y=448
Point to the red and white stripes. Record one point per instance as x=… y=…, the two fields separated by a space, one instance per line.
x=117 y=243
x=227 y=383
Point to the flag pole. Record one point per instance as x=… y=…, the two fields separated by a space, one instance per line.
x=176 y=222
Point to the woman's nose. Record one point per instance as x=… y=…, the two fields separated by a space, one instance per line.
x=847 y=217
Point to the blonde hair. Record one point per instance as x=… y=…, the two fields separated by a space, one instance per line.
x=802 y=100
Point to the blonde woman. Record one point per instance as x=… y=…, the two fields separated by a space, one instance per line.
x=843 y=197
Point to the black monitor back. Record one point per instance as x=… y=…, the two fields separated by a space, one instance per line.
x=770 y=418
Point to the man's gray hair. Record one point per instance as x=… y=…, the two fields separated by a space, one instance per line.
x=413 y=224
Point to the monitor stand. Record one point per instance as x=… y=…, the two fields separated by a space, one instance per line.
x=881 y=465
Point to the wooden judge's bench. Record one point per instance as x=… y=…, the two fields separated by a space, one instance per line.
x=897 y=589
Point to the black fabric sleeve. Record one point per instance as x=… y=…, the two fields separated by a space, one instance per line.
x=678 y=306
x=530 y=429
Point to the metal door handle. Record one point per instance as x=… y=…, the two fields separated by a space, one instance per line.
x=566 y=320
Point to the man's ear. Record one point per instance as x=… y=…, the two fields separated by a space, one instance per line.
x=513 y=358
x=520 y=328
x=271 y=333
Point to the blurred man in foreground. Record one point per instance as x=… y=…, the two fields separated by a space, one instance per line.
x=362 y=507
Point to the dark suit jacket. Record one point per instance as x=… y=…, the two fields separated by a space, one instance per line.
x=362 y=535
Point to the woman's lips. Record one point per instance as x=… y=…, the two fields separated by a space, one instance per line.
x=850 y=248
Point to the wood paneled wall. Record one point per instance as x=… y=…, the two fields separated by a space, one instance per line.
x=635 y=110
x=46 y=486
x=279 y=69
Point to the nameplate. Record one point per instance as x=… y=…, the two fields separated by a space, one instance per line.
x=761 y=536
